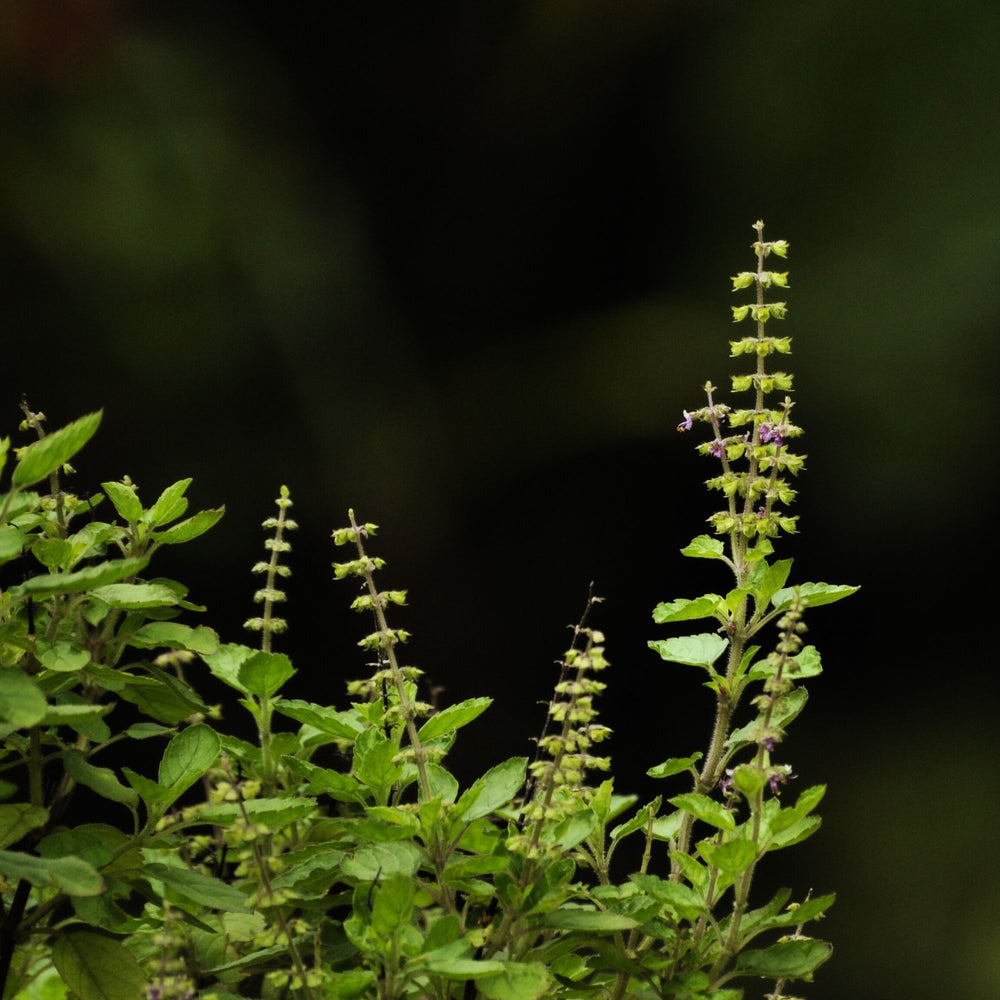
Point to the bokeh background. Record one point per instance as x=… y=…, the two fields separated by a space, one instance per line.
x=461 y=266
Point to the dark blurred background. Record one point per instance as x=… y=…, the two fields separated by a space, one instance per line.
x=461 y=267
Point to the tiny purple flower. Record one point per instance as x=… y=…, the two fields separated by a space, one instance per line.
x=715 y=448
x=726 y=782
x=768 y=743
x=769 y=434
x=687 y=423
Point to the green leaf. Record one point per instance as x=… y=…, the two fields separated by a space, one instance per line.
x=150 y=791
x=765 y=580
x=786 y=960
x=673 y=765
x=518 y=981
x=162 y=696
x=374 y=765
x=170 y=505
x=100 y=779
x=41 y=458
x=343 y=725
x=70 y=875
x=732 y=857
x=124 y=500
x=684 y=610
x=374 y=861
x=680 y=899
x=453 y=717
x=79 y=580
x=188 y=756
x=815 y=594
x=136 y=595
x=263 y=674
x=462 y=968
x=273 y=813
x=22 y=704
x=693 y=650
x=11 y=542
x=640 y=821
x=343 y=787
x=393 y=905
x=706 y=809
x=201 y=640
x=18 y=819
x=594 y=921
x=493 y=790
x=704 y=547
x=97 y=967
x=61 y=655
x=198 y=887
x=194 y=526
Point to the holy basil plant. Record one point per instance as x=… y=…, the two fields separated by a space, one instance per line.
x=335 y=855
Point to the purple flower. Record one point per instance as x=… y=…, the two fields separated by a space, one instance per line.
x=726 y=782
x=769 y=434
x=686 y=423
x=768 y=743
x=715 y=448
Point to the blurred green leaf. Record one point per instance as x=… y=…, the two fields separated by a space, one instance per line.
x=22 y=704
x=18 y=819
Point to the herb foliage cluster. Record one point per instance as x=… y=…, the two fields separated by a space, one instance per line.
x=336 y=856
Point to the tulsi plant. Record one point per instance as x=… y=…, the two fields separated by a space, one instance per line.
x=336 y=856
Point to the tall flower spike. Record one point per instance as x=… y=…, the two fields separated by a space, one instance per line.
x=269 y=594
x=754 y=453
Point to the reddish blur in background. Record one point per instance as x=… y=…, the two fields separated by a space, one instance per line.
x=461 y=267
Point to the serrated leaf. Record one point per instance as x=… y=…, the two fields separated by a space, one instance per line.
x=97 y=967
x=343 y=725
x=41 y=458
x=343 y=787
x=453 y=717
x=393 y=905
x=816 y=594
x=263 y=674
x=693 y=650
x=685 y=610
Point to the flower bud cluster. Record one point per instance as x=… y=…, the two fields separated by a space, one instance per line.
x=567 y=751
x=751 y=443
x=269 y=595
